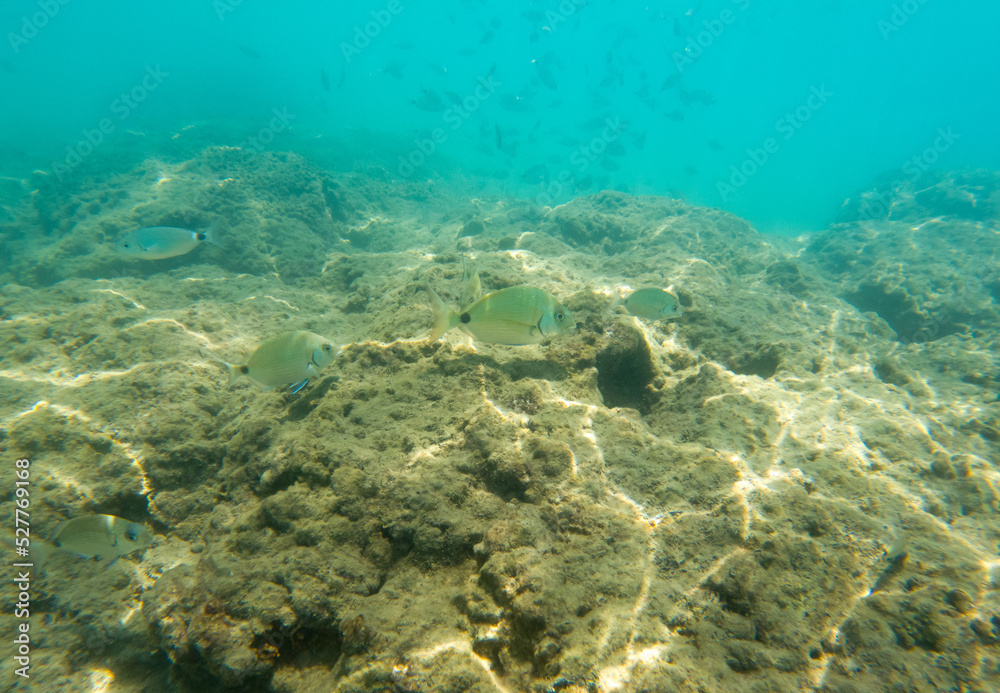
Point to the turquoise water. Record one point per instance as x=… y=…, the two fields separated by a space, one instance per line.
x=556 y=347
x=894 y=75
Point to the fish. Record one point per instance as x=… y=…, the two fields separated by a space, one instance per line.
x=288 y=360
x=499 y=136
x=545 y=75
x=430 y=102
x=394 y=69
x=90 y=536
x=671 y=81
x=160 y=242
x=324 y=79
x=472 y=286
x=100 y=536
x=514 y=316
x=653 y=304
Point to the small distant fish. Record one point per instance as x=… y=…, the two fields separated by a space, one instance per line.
x=394 y=69
x=671 y=82
x=499 y=137
x=487 y=37
x=545 y=75
x=691 y=170
x=91 y=536
x=438 y=68
x=159 y=242
x=515 y=316
x=676 y=115
x=715 y=145
x=653 y=304
x=405 y=45
x=288 y=360
x=430 y=101
x=324 y=79
x=249 y=52
x=472 y=286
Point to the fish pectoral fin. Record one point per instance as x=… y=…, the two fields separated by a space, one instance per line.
x=299 y=386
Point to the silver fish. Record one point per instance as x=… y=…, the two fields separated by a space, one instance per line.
x=160 y=242
x=653 y=304
x=100 y=536
x=515 y=316
x=289 y=359
x=87 y=536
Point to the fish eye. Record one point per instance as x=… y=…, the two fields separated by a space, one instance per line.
x=125 y=245
x=560 y=316
x=327 y=347
x=131 y=535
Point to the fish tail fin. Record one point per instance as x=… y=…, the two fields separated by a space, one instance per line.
x=444 y=317
x=212 y=234
x=231 y=370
